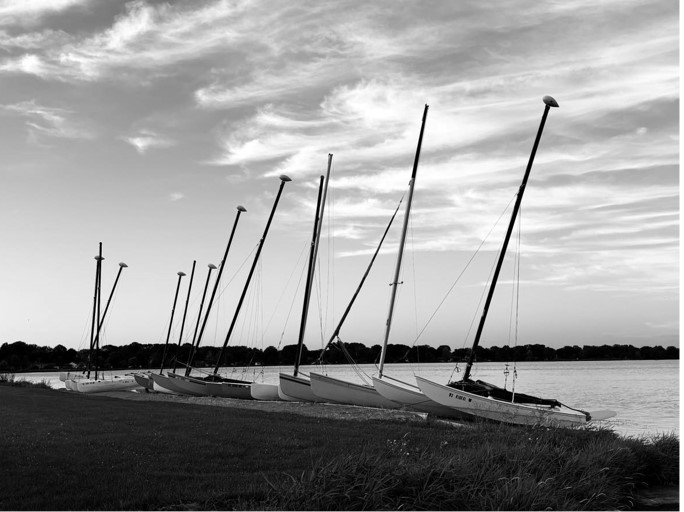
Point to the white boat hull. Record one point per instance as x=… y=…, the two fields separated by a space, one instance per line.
x=296 y=389
x=411 y=397
x=263 y=391
x=188 y=385
x=160 y=384
x=144 y=380
x=329 y=389
x=497 y=410
x=241 y=390
x=124 y=383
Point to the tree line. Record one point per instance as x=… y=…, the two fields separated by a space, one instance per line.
x=20 y=356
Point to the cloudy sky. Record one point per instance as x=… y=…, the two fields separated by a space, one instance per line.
x=143 y=124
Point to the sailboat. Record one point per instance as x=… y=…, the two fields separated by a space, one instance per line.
x=99 y=383
x=197 y=386
x=338 y=390
x=484 y=400
x=297 y=387
x=217 y=385
x=160 y=382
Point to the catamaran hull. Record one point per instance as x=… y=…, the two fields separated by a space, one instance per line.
x=329 y=389
x=263 y=391
x=497 y=410
x=125 y=383
x=230 y=390
x=144 y=380
x=411 y=397
x=296 y=389
x=188 y=385
x=161 y=384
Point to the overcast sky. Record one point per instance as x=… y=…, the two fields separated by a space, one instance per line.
x=143 y=124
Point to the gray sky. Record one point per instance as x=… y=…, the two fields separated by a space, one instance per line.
x=144 y=124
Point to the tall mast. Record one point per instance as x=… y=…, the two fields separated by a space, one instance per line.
x=122 y=266
x=96 y=318
x=240 y=210
x=318 y=225
x=400 y=251
x=173 y=309
x=309 y=280
x=199 y=317
x=185 y=313
x=548 y=103
x=283 y=179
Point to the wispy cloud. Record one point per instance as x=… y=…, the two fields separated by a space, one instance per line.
x=30 y=12
x=42 y=121
x=145 y=140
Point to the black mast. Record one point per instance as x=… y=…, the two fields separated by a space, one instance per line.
x=185 y=312
x=283 y=179
x=309 y=279
x=96 y=317
x=358 y=288
x=173 y=309
x=240 y=209
x=199 y=317
x=122 y=266
x=548 y=102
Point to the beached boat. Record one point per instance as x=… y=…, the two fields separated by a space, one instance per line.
x=100 y=383
x=197 y=337
x=235 y=388
x=484 y=400
x=297 y=387
x=332 y=389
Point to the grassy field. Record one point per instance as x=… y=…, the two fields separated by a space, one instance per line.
x=67 y=451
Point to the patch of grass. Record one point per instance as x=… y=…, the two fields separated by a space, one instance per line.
x=9 y=379
x=487 y=467
x=69 y=451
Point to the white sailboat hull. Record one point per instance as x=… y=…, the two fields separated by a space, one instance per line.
x=144 y=380
x=241 y=390
x=160 y=384
x=497 y=410
x=329 y=389
x=124 y=383
x=296 y=389
x=188 y=385
x=264 y=391
x=411 y=397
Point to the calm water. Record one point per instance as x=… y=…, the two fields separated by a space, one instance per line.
x=645 y=394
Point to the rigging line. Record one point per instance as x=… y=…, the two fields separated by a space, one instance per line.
x=415 y=280
x=238 y=269
x=330 y=268
x=305 y=246
x=292 y=302
x=460 y=275
x=354 y=366
x=484 y=288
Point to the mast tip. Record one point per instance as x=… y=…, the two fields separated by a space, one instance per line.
x=548 y=100
x=123 y=265
x=181 y=274
x=241 y=208
x=212 y=266
x=285 y=178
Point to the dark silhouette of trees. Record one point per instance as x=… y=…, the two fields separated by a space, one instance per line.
x=20 y=356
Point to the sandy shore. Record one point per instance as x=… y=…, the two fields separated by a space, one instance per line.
x=319 y=410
